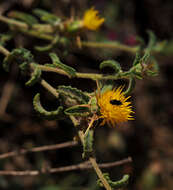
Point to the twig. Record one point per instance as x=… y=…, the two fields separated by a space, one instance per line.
x=82 y=166
x=48 y=87
x=95 y=166
x=4 y=51
x=38 y=149
x=110 y=45
x=93 y=76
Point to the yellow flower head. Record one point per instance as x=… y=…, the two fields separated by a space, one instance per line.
x=91 y=20
x=114 y=107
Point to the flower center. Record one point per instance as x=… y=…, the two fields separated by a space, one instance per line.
x=116 y=102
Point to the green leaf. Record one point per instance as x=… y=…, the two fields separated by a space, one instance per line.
x=115 y=184
x=47 y=17
x=137 y=59
x=4 y=38
x=131 y=86
x=88 y=144
x=20 y=55
x=152 y=67
x=49 y=46
x=152 y=40
x=48 y=115
x=27 y=18
x=35 y=76
x=111 y=63
x=73 y=93
x=78 y=110
x=56 y=61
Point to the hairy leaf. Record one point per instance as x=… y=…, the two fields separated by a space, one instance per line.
x=27 y=18
x=20 y=55
x=56 y=61
x=35 y=76
x=88 y=144
x=115 y=184
x=73 y=93
x=78 y=110
x=111 y=63
x=49 y=115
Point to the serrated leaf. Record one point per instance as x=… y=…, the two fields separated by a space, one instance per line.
x=111 y=63
x=115 y=184
x=73 y=93
x=56 y=61
x=49 y=115
x=88 y=144
x=78 y=110
x=35 y=76
x=20 y=55
x=27 y=18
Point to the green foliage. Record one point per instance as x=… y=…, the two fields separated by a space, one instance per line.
x=78 y=110
x=111 y=63
x=130 y=87
x=35 y=76
x=48 y=115
x=27 y=18
x=56 y=61
x=5 y=38
x=50 y=46
x=69 y=92
x=152 y=41
x=115 y=184
x=88 y=144
x=20 y=55
x=47 y=17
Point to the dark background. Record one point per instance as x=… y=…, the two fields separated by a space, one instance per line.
x=148 y=139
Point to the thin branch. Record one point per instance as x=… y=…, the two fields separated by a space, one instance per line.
x=110 y=45
x=4 y=51
x=38 y=149
x=48 y=87
x=82 y=166
x=95 y=165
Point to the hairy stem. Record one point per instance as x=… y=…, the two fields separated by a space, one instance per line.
x=95 y=165
x=48 y=87
x=92 y=76
x=110 y=45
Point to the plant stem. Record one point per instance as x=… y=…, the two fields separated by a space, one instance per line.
x=48 y=87
x=90 y=124
x=99 y=173
x=92 y=76
x=111 y=45
x=4 y=51
x=95 y=165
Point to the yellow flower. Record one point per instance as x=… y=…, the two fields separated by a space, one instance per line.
x=91 y=20
x=114 y=107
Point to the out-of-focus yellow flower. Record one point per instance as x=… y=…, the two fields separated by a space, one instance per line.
x=91 y=20
x=114 y=107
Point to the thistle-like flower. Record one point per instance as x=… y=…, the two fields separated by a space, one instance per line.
x=114 y=107
x=91 y=20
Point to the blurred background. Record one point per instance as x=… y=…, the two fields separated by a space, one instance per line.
x=148 y=139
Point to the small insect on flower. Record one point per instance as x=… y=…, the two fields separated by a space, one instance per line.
x=91 y=20
x=114 y=107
